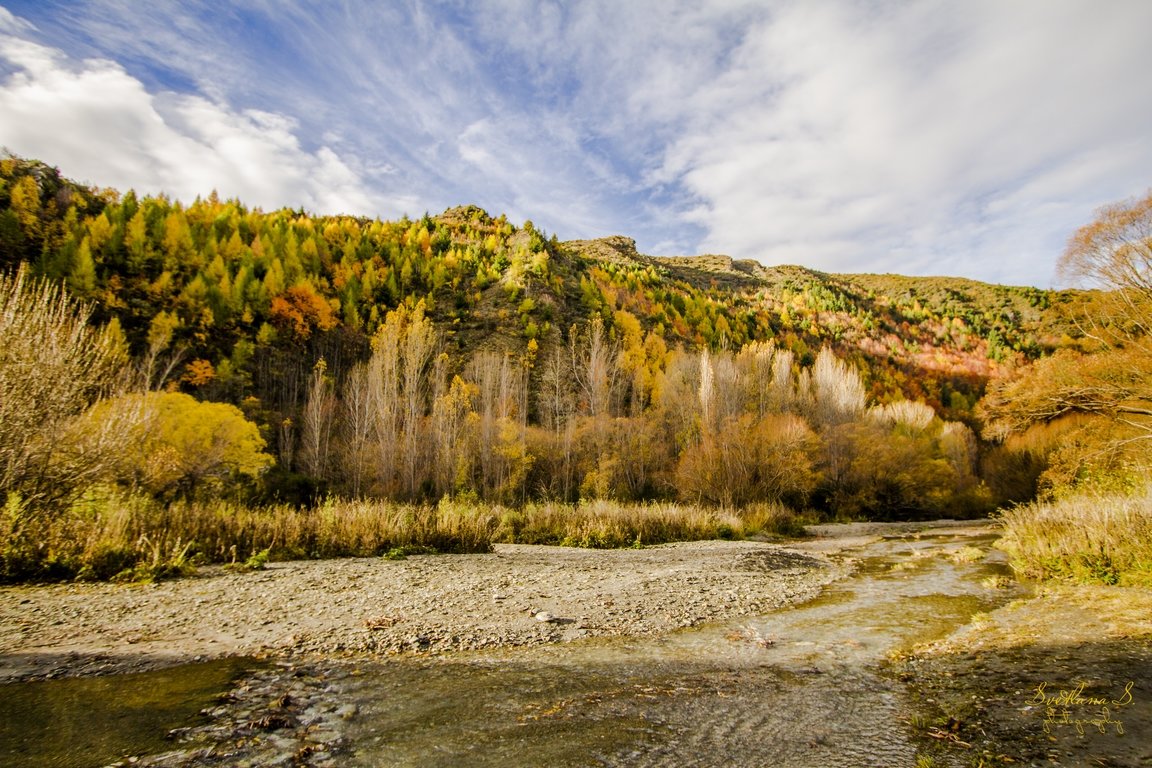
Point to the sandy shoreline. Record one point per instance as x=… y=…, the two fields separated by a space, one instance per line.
x=424 y=604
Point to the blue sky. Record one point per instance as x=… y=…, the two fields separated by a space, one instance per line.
x=957 y=137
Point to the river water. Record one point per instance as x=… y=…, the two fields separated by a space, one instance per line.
x=802 y=686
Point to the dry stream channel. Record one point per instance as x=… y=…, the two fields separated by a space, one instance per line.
x=804 y=685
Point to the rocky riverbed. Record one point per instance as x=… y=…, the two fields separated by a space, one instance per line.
x=426 y=604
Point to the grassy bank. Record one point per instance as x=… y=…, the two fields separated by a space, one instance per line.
x=133 y=538
x=1091 y=539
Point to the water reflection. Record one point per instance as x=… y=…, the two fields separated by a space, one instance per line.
x=85 y=722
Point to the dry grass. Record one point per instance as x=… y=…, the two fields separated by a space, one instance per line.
x=112 y=536
x=1091 y=539
x=606 y=524
x=137 y=538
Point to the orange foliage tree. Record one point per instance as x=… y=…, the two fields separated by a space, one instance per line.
x=1106 y=394
x=301 y=310
x=1114 y=252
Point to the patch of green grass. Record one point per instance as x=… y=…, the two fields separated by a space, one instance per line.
x=402 y=553
x=255 y=562
x=996 y=582
x=967 y=554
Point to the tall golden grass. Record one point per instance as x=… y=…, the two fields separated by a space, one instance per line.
x=109 y=535
x=1099 y=539
x=101 y=537
x=604 y=524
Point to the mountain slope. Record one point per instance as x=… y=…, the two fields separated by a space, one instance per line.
x=253 y=299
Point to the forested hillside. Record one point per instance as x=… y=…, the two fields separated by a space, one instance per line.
x=464 y=354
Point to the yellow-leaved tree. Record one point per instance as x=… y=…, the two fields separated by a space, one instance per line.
x=184 y=446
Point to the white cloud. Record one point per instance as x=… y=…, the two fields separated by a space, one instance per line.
x=928 y=136
x=101 y=124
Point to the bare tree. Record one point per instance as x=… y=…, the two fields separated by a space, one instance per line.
x=837 y=393
x=706 y=393
x=358 y=425
x=383 y=383
x=912 y=415
x=420 y=345
x=595 y=366
x=783 y=380
x=557 y=405
x=555 y=396
x=387 y=404
x=317 y=423
x=500 y=408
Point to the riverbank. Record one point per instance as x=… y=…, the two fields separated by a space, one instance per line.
x=428 y=604
x=1063 y=677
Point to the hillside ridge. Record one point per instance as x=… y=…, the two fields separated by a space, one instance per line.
x=253 y=299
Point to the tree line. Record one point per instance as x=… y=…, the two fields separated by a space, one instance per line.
x=463 y=356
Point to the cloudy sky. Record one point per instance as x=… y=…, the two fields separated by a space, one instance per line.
x=958 y=137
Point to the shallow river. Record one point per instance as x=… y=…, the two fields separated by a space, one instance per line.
x=803 y=686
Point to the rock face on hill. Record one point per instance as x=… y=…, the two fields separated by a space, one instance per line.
x=614 y=249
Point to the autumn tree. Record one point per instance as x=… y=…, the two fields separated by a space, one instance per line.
x=891 y=473
x=740 y=442
x=454 y=428
x=1106 y=391
x=750 y=459
x=1078 y=390
x=184 y=446
x=54 y=365
x=301 y=310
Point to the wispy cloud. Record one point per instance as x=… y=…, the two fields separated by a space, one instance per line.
x=101 y=124
x=918 y=137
